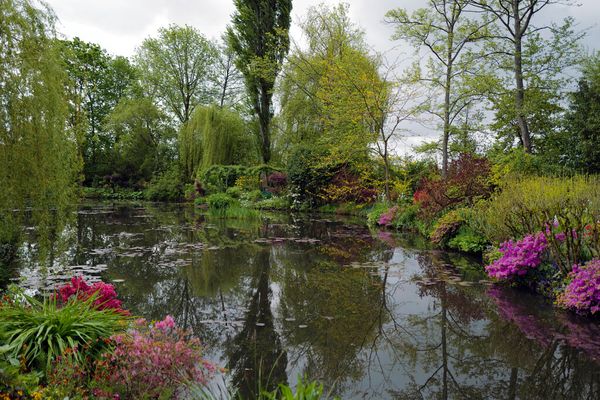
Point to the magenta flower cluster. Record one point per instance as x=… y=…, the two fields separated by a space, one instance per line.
x=387 y=217
x=153 y=359
x=106 y=296
x=519 y=257
x=582 y=294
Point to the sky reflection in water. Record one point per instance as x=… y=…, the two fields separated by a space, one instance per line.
x=370 y=314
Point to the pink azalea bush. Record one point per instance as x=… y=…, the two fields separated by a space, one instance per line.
x=151 y=361
x=106 y=296
x=387 y=217
x=582 y=293
x=519 y=257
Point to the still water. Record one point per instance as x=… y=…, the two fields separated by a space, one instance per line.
x=370 y=314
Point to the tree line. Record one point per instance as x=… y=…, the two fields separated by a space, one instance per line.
x=484 y=71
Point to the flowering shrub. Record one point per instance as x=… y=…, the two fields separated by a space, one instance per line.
x=387 y=217
x=518 y=257
x=152 y=360
x=557 y=206
x=582 y=294
x=106 y=296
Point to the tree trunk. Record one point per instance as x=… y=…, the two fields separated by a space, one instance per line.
x=520 y=90
x=386 y=167
x=447 y=89
x=264 y=119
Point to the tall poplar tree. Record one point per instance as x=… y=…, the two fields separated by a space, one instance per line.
x=259 y=36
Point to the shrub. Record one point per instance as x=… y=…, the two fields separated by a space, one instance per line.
x=218 y=178
x=168 y=186
x=550 y=205
x=387 y=217
x=307 y=176
x=39 y=331
x=274 y=203
x=406 y=218
x=467 y=181
x=350 y=185
x=253 y=196
x=468 y=241
x=235 y=192
x=517 y=163
x=219 y=201
x=247 y=183
x=105 y=296
x=277 y=179
x=582 y=292
x=376 y=210
x=446 y=227
x=151 y=361
x=518 y=258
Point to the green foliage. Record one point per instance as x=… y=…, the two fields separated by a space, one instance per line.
x=274 y=203
x=332 y=93
x=220 y=177
x=375 y=212
x=219 y=201
x=253 y=196
x=177 y=67
x=39 y=331
x=303 y=391
x=259 y=37
x=406 y=217
x=12 y=376
x=38 y=159
x=235 y=192
x=447 y=226
x=576 y=145
x=215 y=136
x=142 y=146
x=166 y=187
x=517 y=163
x=468 y=241
x=97 y=83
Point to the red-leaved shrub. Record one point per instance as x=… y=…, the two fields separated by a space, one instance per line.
x=467 y=180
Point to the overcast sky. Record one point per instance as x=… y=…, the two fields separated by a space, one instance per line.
x=121 y=25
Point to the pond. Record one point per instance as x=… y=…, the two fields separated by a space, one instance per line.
x=370 y=314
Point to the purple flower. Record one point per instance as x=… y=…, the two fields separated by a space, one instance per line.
x=582 y=294
x=518 y=257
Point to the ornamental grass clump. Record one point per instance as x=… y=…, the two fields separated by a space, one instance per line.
x=582 y=293
x=152 y=361
x=518 y=258
x=39 y=331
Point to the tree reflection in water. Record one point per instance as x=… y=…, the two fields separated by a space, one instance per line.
x=371 y=314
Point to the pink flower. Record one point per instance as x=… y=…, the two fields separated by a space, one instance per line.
x=518 y=257
x=106 y=296
x=582 y=293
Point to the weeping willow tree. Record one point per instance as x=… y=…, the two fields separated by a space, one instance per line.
x=215 y=136
x=38 y=152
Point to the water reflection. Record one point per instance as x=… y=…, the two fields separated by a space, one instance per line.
x=370 y=314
